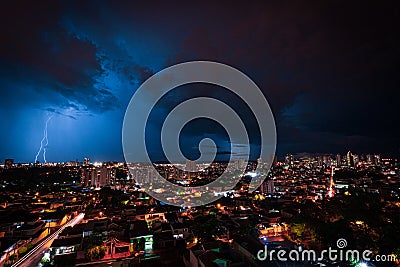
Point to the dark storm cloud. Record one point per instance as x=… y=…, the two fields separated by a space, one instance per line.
x=41 y=55
x=328 y=69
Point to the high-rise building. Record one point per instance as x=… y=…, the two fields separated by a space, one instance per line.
x=240 y=164
x=191 y=166
x=356 y=159
x=338 y=160
x=86 y=161
x=267 y=187
x=320 y=161
x=327 y=160
x=98 y=176
x=289 y=159
x=106 y=175
x=350 y=161
x=377 y=159
x=8 y=163
x=86 y=175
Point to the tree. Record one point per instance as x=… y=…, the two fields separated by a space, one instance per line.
x=95 y=252
x=89 y=254
x=23 y=250
x=101 y=252
x=13 y=257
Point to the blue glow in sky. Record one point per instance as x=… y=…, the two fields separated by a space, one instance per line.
x=332 y=83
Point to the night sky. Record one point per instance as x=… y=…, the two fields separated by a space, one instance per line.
x=329 y=69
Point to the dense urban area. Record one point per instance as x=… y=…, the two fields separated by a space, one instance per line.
x=95 y=214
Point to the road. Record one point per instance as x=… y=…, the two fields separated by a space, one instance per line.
x=33 y=257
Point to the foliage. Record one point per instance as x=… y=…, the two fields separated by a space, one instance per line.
x=206 y=227
x=113 y=198
x=95 y=239
x=95 y=252
x=13 y=257
x=360 y=218
x=45 y=260
x=23 y=250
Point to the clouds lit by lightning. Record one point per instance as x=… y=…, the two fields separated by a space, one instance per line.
x=44 y=142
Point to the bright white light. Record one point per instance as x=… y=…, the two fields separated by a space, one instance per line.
x=363 y=264
x=252 y=174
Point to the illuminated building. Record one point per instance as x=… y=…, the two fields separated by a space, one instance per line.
x=191 y=166
x=289 y=159
x=8 y=163
x=338 y=160
x=240 y=164
x=97 y=176
x=377 y=159
x=356 y=160
x=267 y=187
x=350 y=161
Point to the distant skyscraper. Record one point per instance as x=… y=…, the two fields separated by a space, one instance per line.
x=8 y=163
x=240 y=164
x=377 y=159
x=350 y=161
x=98 y=176
x=327 y=160
x=191 y=166
x=86 y=176
x=338 y=160
x=260 y=163
x=320 y=160
x=356 y=159
x=86 y=161
x=267 y=187
x=289 y=159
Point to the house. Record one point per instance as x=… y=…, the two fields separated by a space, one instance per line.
x=139 y=232
x=29 y=229
x=180 y=230
x=117 y=249
x=66 y=245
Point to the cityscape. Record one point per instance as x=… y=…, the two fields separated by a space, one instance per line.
x=87 y=213
x=199 y=133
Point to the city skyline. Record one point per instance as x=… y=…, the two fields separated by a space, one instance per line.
x=328 y=72
x=338 y=157
x=199 y=133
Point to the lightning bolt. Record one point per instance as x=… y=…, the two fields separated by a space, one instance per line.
x=44 y=142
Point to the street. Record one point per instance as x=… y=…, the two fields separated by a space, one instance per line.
x=33 y=257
